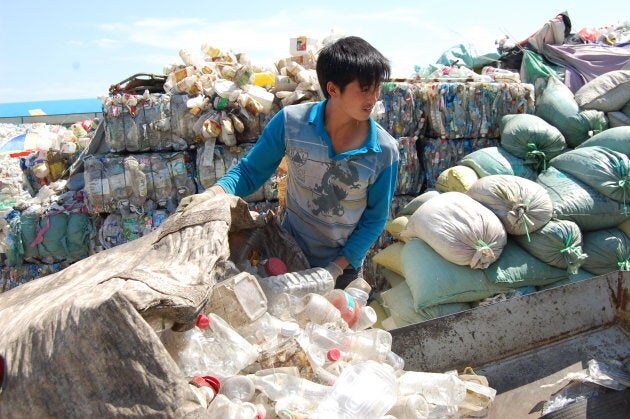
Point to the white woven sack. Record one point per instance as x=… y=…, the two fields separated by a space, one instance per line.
x=459 y=229
x=522 y=205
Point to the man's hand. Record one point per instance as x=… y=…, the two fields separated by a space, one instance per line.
x=334 y=270
x=190 y=201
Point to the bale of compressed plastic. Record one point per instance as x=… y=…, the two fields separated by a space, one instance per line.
x=608 y=250
x=576 y=201
x=601 y=168
x=517 y=268
x=497 y=161
x=458 y=228
x=616 y=139
x=434 y=280
x=522 y=205
x=531 y=138
x=558 y=243
x=558 y=107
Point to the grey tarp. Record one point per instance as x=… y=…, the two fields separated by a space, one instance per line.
x=584 y=63
x=75 y=342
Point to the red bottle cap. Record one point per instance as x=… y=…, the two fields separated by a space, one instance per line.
x=213 y=382
x=275 y=266
x=333 y=354
x=202 y=321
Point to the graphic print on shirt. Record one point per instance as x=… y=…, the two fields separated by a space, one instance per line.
x=336 y=184
x=299 y=158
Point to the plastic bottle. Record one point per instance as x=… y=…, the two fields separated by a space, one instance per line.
x=371 y=344
x=412 y=406
x=212 y=346
x=138 y=182
x=365 y=319
x=222 y=407
x=279 y=384
x=345 y=303
x=238 y=387
x=364 y=390
x=205 y=388
x=314 y=308
x=314 y=280
x=436 y=388
x=96 y=184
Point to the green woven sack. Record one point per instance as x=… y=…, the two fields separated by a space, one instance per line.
x=433 y=280
x=54 y=243
x=617 y=139
x=574 y=200
x=531 y=138
x=608 y=250
x=497 y=161
x=517 y=268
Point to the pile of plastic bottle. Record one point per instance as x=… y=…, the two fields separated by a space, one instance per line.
x=289 y=345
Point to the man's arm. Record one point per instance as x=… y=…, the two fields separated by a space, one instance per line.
x=253 y=170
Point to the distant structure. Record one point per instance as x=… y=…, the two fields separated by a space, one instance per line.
x=54 y=112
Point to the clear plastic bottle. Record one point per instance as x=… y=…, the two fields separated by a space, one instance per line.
x=371 y=344
x=222 y=407
x=279 y=384
x=205 y=388
x=364 y=390
x=313 y=308
x=238 y=387
x=212 y=346
x=314 y=280
x=436 y=388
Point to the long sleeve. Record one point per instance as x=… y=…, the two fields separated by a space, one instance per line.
x=253 y=170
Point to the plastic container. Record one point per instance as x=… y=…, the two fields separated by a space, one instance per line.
x=364 y=390
x=212 y=346
x=278 y=385
x=301 y=45
x=265 y=79
x=238 y=387
x=436 y=388
x=222 y=407
x=346 y=304
x=371 y=344
x=366 y=318
x=261 y=95
x=239 y=300
x=314 y=308
x=299 y=284
x=205 y=389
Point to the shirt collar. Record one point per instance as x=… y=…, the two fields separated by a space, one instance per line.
x=316 y=118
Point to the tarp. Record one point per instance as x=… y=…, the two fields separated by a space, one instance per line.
x=75 y=342
x=21 y=145
x=585 y=62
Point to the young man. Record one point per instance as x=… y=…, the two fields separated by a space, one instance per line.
x=342 y=166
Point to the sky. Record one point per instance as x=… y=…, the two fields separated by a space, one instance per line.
x=76 y=49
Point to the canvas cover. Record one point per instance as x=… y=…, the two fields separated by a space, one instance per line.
x=76 y=343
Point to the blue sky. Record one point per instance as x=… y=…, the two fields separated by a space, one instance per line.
x=76 y=49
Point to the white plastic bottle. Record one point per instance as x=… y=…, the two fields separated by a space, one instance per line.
x=412 y=406
x=314 y=280
x=364 y=390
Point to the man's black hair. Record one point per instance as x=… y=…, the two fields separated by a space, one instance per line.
x=348 y=59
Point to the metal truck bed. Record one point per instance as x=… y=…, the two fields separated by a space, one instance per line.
x=525 y=343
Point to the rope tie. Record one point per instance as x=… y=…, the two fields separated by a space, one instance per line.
x=624 y=265
x=537 y=156
x=483 y=245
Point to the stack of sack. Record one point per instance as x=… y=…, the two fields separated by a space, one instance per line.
x=546 y=207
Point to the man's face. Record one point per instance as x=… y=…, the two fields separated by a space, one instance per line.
x=357 y=101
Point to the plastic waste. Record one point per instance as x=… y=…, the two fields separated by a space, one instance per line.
x=314 y=280
x=212 y=346
x=364 y=390
x=238 y=387
x=436 y=388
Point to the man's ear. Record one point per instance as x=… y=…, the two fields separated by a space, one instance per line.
x=332 y=89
